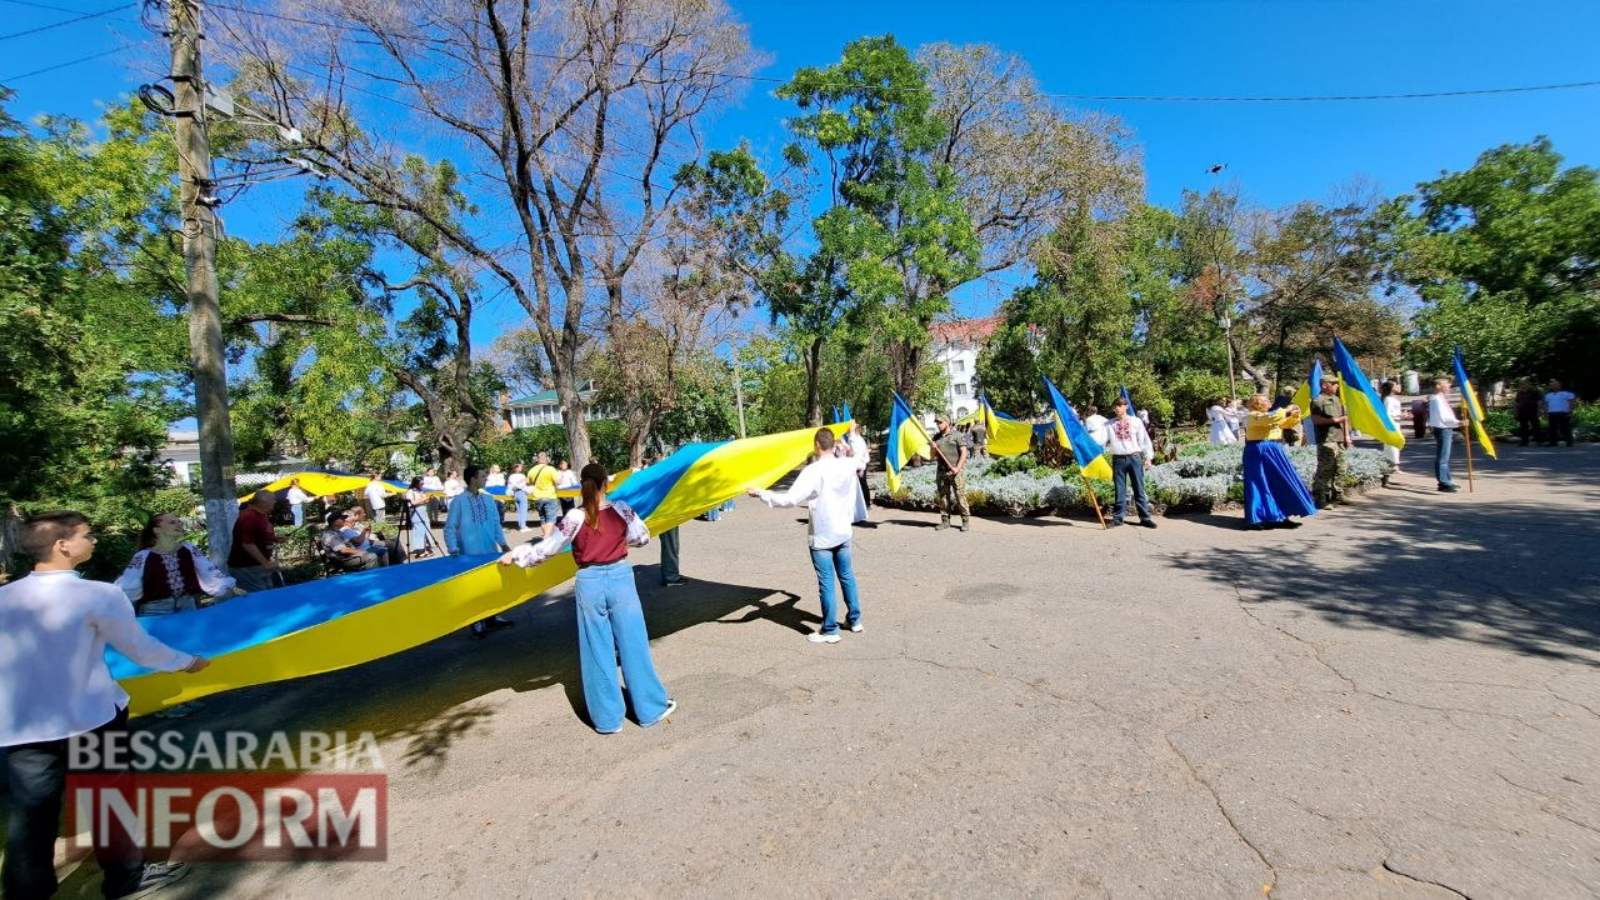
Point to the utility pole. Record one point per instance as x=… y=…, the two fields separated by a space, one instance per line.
x=197 y=195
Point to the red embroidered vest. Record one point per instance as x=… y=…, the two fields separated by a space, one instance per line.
x=157 y=586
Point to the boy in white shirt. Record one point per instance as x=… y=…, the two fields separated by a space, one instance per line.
x=377 y=495
x=298 y=498
x=1131 y=452
x=1443 y=422
x=60 y=689
x=827 y=488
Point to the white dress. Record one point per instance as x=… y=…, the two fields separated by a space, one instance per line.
x=1222 y=426
x=1391 y=405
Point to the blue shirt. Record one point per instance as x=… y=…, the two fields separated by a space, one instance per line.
x=473 y=525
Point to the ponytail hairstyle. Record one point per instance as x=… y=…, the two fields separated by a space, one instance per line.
x=594 y=478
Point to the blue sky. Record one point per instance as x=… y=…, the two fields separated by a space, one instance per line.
x=1276 y=153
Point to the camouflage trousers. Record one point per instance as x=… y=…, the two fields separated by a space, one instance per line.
x=1328 y=485
x=953 y=495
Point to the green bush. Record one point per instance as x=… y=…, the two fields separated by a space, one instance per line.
x=607 y=440
x=1201 y=480
x=1500 y=422
x=1586 y=423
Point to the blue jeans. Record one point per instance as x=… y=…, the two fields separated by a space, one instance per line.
x=522 y=510
x=1443 y=438
x=549 y=510
x=611 y=628
x=832 y=563
x=1125 y=469
x=299 y=511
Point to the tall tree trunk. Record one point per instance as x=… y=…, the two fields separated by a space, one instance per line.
x=574 y=415
x=906 y=360
x=640 y=427
x=814 y=382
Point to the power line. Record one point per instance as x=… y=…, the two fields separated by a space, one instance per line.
x=63 y=65
x=48 y=6
x=64 y=22
x=1140 y=98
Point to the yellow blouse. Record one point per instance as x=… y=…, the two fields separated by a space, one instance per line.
x=1269 y=425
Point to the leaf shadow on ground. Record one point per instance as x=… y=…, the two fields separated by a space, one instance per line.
x=1462 y=568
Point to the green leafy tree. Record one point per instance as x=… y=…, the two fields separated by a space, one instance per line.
x=1505 y=257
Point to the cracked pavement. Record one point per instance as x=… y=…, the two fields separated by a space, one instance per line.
x=1397 y=700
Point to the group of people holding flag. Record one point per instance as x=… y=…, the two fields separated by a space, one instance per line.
x=1328 y=407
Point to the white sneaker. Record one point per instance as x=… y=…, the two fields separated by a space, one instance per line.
x=672 y=706
x=817 y=637
x=856 y=628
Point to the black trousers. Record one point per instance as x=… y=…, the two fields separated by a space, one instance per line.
x=36 y=776
x=1528 y=427
x=1560 y=428
x=669 y=556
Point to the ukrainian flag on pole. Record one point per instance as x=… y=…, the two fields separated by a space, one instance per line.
x=1070 y=432
x=906 y=439
x=1469 y=399
x=1007 y=436
x=1308 y=392
x=1361 y=402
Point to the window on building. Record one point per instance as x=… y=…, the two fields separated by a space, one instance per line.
x=961 y=390
x=959 y=365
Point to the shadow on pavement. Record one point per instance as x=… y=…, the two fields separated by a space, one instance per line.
x=430 y=697
x=1512 y=574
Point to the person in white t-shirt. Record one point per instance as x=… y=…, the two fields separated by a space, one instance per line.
x=496 y=477
x=55 y=688
x=377 y=496
x=1443 y=422
x=453 y=487
x=1095 y=424
x=1558 y=404
x=298 y=498
x=827 y=488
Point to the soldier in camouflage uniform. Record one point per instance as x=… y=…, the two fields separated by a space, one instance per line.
x=1333 y=438
x=952 y=480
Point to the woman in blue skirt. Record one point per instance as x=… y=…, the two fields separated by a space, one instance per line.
x=1273 y=490
x=611 y=629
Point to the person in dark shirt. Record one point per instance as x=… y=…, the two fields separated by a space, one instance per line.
x=1333 y=438
x=250 y=559
x=1528 y=398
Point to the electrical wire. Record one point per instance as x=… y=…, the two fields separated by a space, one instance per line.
x=62 y=65
x=64 y=22
x=1140 y=98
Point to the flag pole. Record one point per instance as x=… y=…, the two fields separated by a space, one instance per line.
x=1466 y=434
x=1093 y=500
x=933 y=443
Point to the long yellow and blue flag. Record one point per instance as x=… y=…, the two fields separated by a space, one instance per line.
x=1070 y=432
x=905 y=440
x=1361 y=402
x=1006 y=436
x=1469 y=399
x=320 y=626
x=1305 y=394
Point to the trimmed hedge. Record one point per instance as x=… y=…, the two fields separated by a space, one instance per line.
x=1203 y=478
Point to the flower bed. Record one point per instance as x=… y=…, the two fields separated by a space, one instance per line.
x=1203 y=478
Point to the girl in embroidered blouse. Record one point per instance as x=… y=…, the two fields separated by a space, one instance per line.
x=1273 y=490
x=168 y=574
x=611 y=626
x=1223 y=426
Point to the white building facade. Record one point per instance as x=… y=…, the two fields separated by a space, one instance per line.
x=544 y=408
x=955 y=348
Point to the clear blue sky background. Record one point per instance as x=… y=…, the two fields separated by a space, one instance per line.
x=1276 y=153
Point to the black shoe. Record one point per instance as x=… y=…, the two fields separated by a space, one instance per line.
x=479 y=630
x=1448 y=489
x=157 y=876
x=501 y=622
x=1113 y=523
x=676 y=582
x=1288 y=524
x=1147 y=523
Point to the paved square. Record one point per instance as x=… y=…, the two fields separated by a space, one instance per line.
x=1400 y=699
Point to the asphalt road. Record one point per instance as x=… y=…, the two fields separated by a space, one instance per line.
x=1400 y=699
